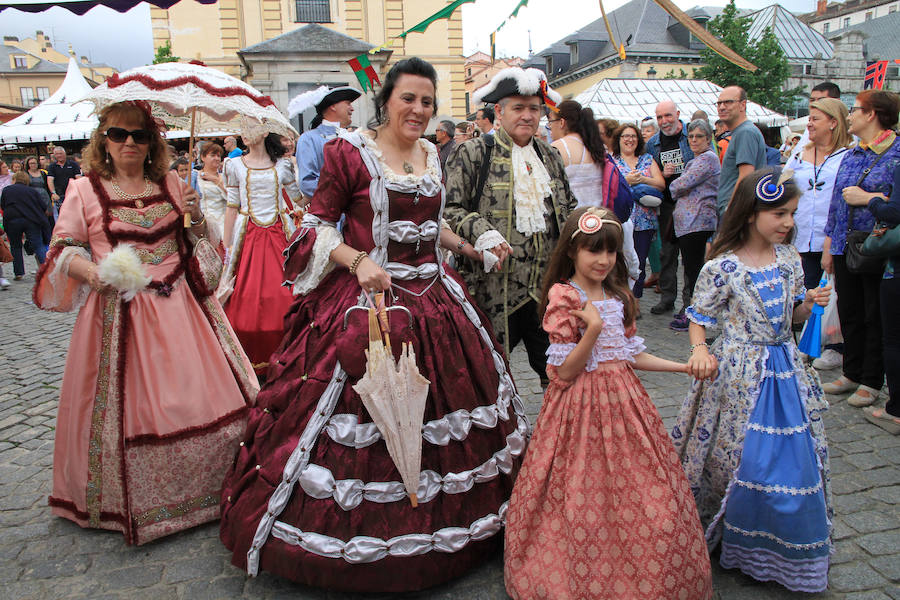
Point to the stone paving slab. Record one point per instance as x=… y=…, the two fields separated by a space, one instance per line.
x=44 y=557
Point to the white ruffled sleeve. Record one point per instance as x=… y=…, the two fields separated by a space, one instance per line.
x=312 y=246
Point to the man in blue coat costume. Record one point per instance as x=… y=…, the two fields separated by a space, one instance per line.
x=334 y=109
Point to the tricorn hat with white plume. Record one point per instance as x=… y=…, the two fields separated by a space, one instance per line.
x=516 y=81
x=320 y=98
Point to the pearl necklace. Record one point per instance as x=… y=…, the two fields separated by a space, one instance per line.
x=148 y=189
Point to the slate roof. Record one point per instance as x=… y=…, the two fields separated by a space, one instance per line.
x=647 y=30
x=43 y=66
x=798 y=40
x=312 y=38
x=883 y=41
x=641 y=25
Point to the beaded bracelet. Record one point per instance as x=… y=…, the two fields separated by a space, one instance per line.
x=693 y=346
x=355 y=264
x=460 y=245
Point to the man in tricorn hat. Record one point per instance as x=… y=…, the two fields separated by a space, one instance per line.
x=508 y=195
x=334 y=109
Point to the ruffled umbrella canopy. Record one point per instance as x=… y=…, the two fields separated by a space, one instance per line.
x=193 y=97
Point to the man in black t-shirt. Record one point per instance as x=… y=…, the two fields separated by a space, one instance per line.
x=670 y=149
x=59 y=173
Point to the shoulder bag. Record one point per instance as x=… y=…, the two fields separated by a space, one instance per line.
x=883 y=242
x=857 y=261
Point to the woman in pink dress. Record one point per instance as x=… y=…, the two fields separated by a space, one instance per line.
x=156 y=389
x=601 y=508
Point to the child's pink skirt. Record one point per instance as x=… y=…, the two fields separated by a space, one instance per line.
x=601 y=508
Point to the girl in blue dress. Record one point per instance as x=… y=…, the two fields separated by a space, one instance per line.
x=751 y=441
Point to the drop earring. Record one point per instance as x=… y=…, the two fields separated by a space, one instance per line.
x=107 y=158
x=149 y=160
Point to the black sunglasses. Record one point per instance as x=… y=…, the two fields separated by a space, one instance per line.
x=119 y=135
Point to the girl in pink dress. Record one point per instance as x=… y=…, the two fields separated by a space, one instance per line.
x=601 y=508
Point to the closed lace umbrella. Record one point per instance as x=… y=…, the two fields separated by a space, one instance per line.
x=395 y=395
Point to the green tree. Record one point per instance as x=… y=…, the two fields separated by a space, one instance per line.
x=764 y=86
x=682 y=74
x=164 y=54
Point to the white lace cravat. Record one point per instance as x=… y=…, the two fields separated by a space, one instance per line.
x=532 y=185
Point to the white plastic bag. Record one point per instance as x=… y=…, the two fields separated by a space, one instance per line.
x=831 y=324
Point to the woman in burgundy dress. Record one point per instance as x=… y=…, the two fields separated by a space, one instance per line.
x=314 y=495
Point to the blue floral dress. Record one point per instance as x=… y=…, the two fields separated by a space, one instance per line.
x=752 y=442
x=644 y=218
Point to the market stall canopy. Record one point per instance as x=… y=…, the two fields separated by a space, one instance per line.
x=63 y=116
x=630 y=100
x=79 y=7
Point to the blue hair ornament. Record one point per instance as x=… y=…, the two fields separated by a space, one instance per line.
x=771 y=189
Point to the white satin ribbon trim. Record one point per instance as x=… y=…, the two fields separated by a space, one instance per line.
x=407 y=232
x=319 y=482
x=407 y=272
x=299 y=458
x=345 y=429
x=366 y=549
x=298 y=461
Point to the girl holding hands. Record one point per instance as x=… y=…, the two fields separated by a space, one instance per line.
x=601 y=507
x=751 y=441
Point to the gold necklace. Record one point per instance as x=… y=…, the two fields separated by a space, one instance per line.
x=148 y=189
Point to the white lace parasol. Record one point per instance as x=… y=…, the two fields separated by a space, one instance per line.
x=174 y=90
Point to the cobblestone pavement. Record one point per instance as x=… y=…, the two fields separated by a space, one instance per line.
x=46 y=557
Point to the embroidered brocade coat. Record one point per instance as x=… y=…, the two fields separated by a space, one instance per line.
x=500 y=293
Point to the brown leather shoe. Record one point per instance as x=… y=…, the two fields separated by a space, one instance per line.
x=652 y=280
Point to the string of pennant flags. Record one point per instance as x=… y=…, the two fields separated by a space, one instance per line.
x=876 y=73
x=368 y=77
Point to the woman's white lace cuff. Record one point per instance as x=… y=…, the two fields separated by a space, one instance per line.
x=320 y=264
x=487 y=240
x=58 y=279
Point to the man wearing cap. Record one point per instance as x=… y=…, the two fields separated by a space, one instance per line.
x=334 y=109
x=509 y=197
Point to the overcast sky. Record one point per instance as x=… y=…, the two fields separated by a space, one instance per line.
x=124 y=40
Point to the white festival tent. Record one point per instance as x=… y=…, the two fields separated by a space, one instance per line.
x=64 y=116
x=630 y=100
x=60 y=117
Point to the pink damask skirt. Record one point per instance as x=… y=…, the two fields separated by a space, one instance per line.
x=601 y=508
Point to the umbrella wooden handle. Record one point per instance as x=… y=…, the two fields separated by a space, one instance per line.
x=383 y=319
x=414 y=500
